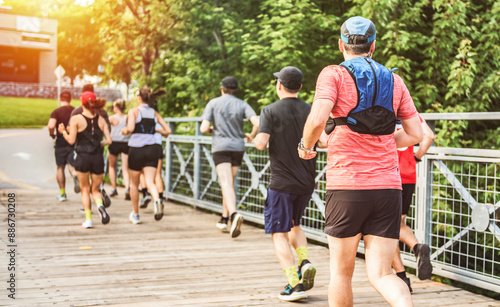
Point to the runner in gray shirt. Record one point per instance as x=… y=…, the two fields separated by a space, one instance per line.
x=227 y=114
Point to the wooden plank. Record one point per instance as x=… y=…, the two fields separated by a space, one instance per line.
x=183 y=260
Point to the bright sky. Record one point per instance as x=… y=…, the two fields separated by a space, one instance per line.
x=81 y=2
x=78 y=2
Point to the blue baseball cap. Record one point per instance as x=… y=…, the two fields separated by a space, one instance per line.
x=358 y=30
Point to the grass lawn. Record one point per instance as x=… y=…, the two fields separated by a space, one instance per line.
x=21 y=112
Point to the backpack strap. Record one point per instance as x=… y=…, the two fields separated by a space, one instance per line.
x=339 y=121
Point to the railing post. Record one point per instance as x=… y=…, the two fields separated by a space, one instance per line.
x=168 y=162
x=423 y=201
x=197 y=164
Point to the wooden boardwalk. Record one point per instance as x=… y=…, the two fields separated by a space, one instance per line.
x=182 y=260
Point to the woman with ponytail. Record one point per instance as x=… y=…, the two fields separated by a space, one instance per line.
x=86 y=133
x=143 y=153
x=119 y=146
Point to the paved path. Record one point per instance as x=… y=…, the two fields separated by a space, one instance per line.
x=27 y=159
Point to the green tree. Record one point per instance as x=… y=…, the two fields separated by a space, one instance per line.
x=134 y=33
x=78 y=48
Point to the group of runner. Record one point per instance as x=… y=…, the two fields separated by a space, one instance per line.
x=81 y=134
x=354 y=114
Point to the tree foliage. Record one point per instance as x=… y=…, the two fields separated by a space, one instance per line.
x=447 y=51
x=79 y=50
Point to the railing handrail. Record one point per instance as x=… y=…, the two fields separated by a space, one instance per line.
x=471 y=152
x=182 y=119
x=462 y=116
x=426 y=116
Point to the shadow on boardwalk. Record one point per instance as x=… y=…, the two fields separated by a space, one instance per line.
x=182 y=260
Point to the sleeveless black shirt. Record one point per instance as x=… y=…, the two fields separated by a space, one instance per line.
x=89 y=140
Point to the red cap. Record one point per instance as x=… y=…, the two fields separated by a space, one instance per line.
x=86 y=97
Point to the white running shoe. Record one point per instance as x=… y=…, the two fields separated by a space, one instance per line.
x=87 y=224
x=158 y=209
x=222 y=225
x=306 y=273
x=134 y=218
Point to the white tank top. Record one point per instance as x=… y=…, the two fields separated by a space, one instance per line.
x=143 y=139
x=116 y=131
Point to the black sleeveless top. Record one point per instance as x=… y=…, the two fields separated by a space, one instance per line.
x=89 y=140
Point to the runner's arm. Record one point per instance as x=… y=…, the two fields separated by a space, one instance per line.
x=255 y=122
x=52 y=127
x=69 y=136
x=103 y=125
x=205 y=127
x=261 y=140
x=427 y=141
x=411 y=133
x=165 y=128
x=130 y=122
x=315 y=125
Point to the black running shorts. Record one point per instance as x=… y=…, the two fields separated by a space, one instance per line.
x=161 y=151
x=369 y=212
x=233 y=157
x=64 y=155
x=90 y=163
x=140 y=157
x=116 y=148
x=408 y=190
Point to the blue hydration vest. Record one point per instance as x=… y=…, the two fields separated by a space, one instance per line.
x=374 y=113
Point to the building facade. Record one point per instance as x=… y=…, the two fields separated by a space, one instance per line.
x=28 y=48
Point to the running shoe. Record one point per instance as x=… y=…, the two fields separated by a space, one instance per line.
x=134 y=218
x=87 y=224
x=104 y=214
x=293 y=294
x=62 y=197
x=105 y=198
x=113 y=193
x=424 y=266
x=76 y=188
x=158 y=209
x=222 y=225
x=236 y=221
x=307 y=271
x=145 y=201
x=127 y=194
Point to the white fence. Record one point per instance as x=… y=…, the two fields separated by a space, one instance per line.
x=456 y=207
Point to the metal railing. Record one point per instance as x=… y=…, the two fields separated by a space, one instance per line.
x=456 y=208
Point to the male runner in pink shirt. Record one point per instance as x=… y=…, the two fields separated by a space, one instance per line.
x=363 y=196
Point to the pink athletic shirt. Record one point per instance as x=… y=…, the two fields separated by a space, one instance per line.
x=360 y=161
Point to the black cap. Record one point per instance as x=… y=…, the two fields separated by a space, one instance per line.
x=290 y=77
x=230 y=83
